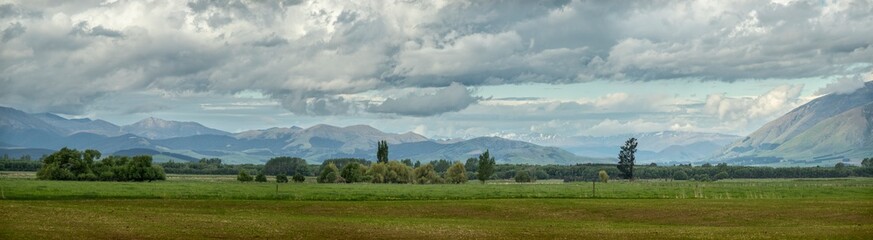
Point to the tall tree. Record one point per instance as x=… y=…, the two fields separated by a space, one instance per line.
x=382 y=152
x=486 y=166
x=626 y=158
x=472 y=164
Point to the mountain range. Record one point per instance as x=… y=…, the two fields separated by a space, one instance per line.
x=829 y=129
x=654 y=147
x=36 y=134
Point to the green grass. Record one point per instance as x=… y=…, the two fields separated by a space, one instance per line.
x=190 y=206
x=225 y=187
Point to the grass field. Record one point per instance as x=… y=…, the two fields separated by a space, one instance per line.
x=218 y=207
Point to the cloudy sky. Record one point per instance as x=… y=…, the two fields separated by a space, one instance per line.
x=438 y=68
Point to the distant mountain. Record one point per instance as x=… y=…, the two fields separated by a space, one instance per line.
x=347 y=139
x=658 y=147
x=15 y=121
x=155 y=128
x=82 y=125
x=272 y=133
x=823 y=131
x=186 y=141
x=34 y=153
x=18 y=128
x=504 y=151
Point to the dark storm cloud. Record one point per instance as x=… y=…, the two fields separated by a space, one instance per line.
x=307 y=55
x=271 y=41
x=14 y=30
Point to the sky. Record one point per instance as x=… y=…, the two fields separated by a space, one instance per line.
x=443 y=69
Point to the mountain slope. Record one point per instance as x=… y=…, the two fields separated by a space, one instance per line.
x=83 y=125
x=832 y=127
x=13 y=120
x=850 y=131
x=155 y=128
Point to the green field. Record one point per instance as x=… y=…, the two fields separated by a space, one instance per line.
x=189 y=206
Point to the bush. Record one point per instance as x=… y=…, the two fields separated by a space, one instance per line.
x=426 y=175
x=87 y=177
x=243 y=176
x=352 y=173
x=721 y=175
x=457 y=173
x=286 y=165
x=680 y=175
x=70 y=164
x=603 y=176
x=261 y=177
x=328 y=174
x=377 y=172
x=298 y=178
x=702 y=178
x=281 y=178
x=398 y=173
x=522 y=176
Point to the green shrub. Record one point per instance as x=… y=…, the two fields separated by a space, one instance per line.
x=721 y=175
x=261 y=177
x=352 y=173
x=426 y=175
x=457 y=173
x=328 y=174
x=281 y=178
x=603 y=176
x=680 y=175
x=286 y=165
x=398 y=173
x=702 y=178
x=298 y=178
x=522 y=176
x=243 y=176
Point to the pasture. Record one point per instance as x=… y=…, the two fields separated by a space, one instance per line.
x=192 y=206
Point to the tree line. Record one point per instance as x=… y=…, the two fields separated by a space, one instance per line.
x=71 y=164
x=351 y=170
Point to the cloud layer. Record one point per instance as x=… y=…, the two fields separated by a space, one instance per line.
x=308 y=54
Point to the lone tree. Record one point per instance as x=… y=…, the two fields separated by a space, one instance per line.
x=486 y=166
x=626 y=158
x=382 y=152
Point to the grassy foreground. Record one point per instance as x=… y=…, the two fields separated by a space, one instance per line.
x=187 y=207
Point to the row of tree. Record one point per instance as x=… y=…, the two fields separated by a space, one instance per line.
x=71 y=164
x=349 y=170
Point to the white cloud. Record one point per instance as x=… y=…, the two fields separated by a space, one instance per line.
x=613 y=127
x=775 y=102
x=844 y=85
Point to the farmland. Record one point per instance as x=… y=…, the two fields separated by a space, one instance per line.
x=194 y=206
